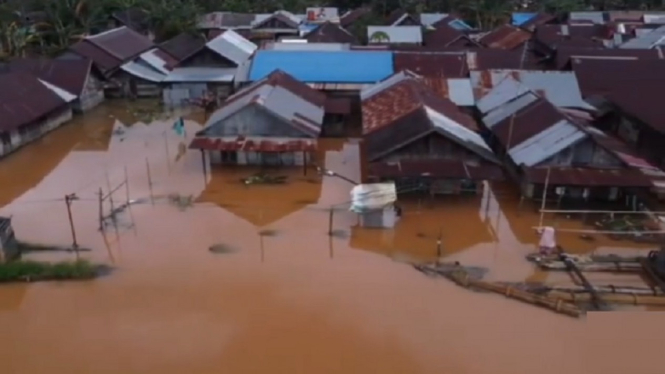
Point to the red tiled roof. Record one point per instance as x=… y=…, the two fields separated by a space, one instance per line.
x=69 y=75
x=505 y=37
x=23 y=99
x=330 y=33
x=252 y=145
x=452 y=169
x=570 y=176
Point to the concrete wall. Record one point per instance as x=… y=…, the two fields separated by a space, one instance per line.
x=92 y=95
x=17 y=138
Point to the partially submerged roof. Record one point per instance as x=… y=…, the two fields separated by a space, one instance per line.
x=232 y=46
x=559 y=87
x=505 y=37
x=329 y=32
x=70 y=75
x=395 y=34
x=25 y=99
x=281 y=95
x=110 y=49
x=324 y=66
x=402 y=109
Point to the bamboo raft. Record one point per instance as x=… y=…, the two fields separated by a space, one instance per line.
x=539 y=288
x=587 y=263
x=610 y=298
x=459 y=274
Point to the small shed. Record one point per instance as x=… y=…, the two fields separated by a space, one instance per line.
x=375 y=204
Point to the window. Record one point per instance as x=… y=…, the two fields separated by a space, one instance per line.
x=6 y=139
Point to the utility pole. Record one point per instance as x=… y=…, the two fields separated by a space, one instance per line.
x=68 y=200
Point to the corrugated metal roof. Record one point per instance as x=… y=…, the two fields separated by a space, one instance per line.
x=386 y=83
x=183 y=45
x=143 y=71
x=428 y=19
x=463 y=134
x=546 y=144
x=282 y=96
x=437 y=64
x=329 y=32
x=232 y=46
x=395 y=34
x=594 y=17
x=565 y=54
x=307 y=46
x=69 y=75
x=460 y=92
x=24 y=100
x=64 y=95
x=658 y=19
x=647 y=41
x=153 y=58
x=201 y=74
x=123 y=43
x=325 y=67
x=505 y=37
x=559 y=87
x=507 y=90
x=498 y=114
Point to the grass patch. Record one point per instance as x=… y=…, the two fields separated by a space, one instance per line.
x=31 y=271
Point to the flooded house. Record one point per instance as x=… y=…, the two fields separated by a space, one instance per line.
x=142 y=77
x=109 y=51
x=8 y=245
x=555 y=150
x=210 y=69
x=274 y=121
x=422 y=142
x=275 y=26
x=77 y=77
x=31 y=108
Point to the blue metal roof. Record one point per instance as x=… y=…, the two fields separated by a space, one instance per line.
x=325 y=66
x=520 y=18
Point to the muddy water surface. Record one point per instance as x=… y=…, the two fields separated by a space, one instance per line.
x=286 y=298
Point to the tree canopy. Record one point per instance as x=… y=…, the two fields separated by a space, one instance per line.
x=49 y=26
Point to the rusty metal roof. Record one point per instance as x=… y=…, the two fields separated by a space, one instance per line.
x=329 y=32
x=70 y=75
x=183 y=45
x=587 y=35
x=348 y=18
x=634 y=86
x=446 y=35
x=24 y=99
x=408 y=109
x=113 y=48
x=484 y=59
x=564 y=54
x=432 y=64
x=505 y=37
x=538 y=19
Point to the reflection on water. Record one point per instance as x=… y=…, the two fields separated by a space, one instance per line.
x=294 y=301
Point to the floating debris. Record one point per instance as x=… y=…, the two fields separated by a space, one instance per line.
x=586 y=263
x=182 y=202
x=262 y=178
x=221 y=248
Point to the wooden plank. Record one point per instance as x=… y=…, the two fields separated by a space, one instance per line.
x=595 y=299
x=648 y=270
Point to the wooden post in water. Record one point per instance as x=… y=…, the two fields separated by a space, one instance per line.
x=101 y=210
x=126 y=187
x=68 y=200
x=330 y=221
x=147 y=166
x=542 y=205
x=166 y=148
x=108 y=185
x=438 y=246
x=304 y=163
x=205 y=167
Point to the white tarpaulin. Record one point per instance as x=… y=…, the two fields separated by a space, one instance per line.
x=372 y=196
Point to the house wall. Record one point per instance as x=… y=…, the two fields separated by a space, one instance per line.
x=647 y=142
x=253 y=120
x=8 y=245
x=12 y=140
x=92 y=95
x=432 y=147
x=127 y=86
x=583 y=154
x=207 y=58
x=259 y=158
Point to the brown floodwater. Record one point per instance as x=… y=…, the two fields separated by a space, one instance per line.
x=286 y=298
